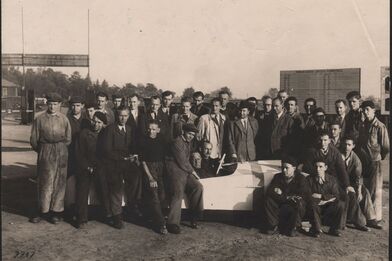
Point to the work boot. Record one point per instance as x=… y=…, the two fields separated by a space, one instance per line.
x=173 y=228
x=374 y=224
x=314 y=232
x=362 y=228
x=35 y=219
x=117 y=222
x=272 y=230
x=194 y=224
x=55 y=219
x=163 y=230
x=292 y=233
x=334 y=232
x=82 y=225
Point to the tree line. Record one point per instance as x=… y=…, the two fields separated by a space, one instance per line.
x=46 y=80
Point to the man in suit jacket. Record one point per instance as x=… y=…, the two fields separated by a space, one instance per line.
x=229 y=109
x=199 y=108
x=212 y=128
x=119 y=150
x=241 y=135
x=167 y=108
x=155 y=113
x=263 y=138
x=137 y=116
x=340 y=117
x=281 y=124
x=184 y=116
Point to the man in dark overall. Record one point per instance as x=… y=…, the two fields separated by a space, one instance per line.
x=119 y=150
x=77 y=119
x=183 y=180
x=327 y=205
x=286 y=199
x=87 y=165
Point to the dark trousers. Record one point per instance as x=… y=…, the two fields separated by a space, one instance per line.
x=103 y=189
x=118 y=174
x=155 y=196
x=180 y=185
x=353 y=210
x=287 y=215
x=83 y=183
x=330 y=214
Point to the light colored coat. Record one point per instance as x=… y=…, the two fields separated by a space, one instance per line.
x=212 y=131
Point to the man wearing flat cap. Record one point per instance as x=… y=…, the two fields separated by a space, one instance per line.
x=241 y=135
x=50 y=137
x=183 y=179
x=374 y=140
x=77 y=118
x=287 y=199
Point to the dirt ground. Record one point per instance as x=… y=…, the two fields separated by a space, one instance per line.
x=213 y=241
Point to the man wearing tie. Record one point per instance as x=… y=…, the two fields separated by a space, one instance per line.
x=155 y=113
x=119 y=155
x=137 y=117
x=167 y=99
x=212 y=128
x=241 y=135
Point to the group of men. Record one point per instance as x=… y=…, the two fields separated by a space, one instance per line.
x=155 y=156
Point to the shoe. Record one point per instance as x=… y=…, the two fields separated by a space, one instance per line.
x=35 y=219
x=314 y=232
x=117 y=222
x=334 y=232
x=272 y=231
x=293 y=233
x=55 y=219
x=163 y=230
x=174 y=229
x=362 y=228
x=194 y=224
x=374 y=224
x=82 y=225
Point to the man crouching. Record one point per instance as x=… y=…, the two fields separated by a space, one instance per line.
x=182 y=179
x=286 y=199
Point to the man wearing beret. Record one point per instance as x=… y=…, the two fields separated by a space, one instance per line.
x=241 y=135
x=183 y=179
x=76 y=118
x=287 y=198
x=50 y=136
x=374 y=140
x=87 y=165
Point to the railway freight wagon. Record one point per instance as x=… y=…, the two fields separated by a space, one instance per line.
x=326 y=86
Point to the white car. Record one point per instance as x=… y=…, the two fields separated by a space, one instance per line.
x=235 y=191
x=232 y=192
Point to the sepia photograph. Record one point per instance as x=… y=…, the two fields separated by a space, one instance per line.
x=195 y=130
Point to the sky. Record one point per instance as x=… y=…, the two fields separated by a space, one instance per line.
x=206 y=44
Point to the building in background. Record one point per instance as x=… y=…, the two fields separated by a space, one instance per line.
x=10 y=99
